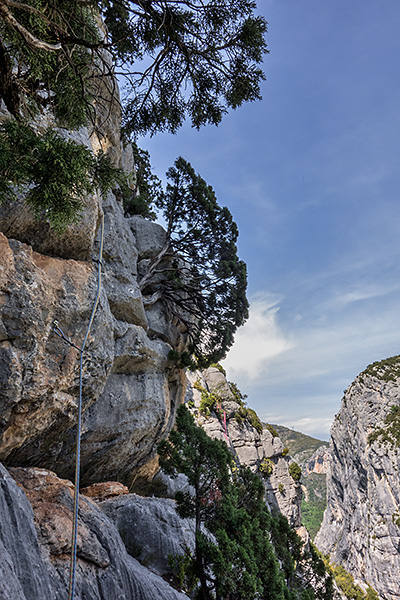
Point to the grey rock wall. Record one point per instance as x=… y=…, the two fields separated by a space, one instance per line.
x=151 y=529
x=130 y=388
x=35 y=531
x=360 y=529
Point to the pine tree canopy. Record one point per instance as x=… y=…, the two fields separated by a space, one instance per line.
x=179 y=59
x=242 y=551
x=203 y=282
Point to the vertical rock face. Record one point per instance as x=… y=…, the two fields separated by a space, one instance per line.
x=251 y=446
x=130 y=388
x=361 y=526
x=318 y=463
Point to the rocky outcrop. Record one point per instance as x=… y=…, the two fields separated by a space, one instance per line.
x=130 y=388
x=361 y=526
x=252 y=447
x=318 y=463
x=35 y=539
x=151 y=529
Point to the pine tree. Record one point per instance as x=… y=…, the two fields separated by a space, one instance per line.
x=203 y=282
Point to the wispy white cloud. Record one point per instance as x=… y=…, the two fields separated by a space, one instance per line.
x=319 y=427
x=295 y=371
x=258 y=341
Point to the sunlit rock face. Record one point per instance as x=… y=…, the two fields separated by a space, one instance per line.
x=130 y=388
x=361 y=526
x=318 y=463
x=250 y=446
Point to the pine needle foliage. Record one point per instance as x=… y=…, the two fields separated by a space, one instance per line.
x=250 y=554
x=180 y=59
x=54 y=174
x=204 y=283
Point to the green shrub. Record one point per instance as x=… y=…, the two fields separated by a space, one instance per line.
x=345 y=582
x=285 y=451
x=294 y=471
x=56 y=173
x=220 y=368
x=183 y=571
x=266 y=467
x=208 y=401
x=272 y=430
x=254 y=420
x=145 y=188
x=390 y=432
x=281 y=489
x=237 y=394
x=249 y=415
x=386 y=370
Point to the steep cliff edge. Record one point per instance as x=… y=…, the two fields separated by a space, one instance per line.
x=361 y=526
x=253 y=445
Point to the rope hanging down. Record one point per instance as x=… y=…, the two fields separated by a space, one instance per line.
x=59 y=332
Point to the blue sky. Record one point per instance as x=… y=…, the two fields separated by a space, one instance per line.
x=311 y=175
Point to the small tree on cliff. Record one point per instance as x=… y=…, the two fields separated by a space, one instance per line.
x=204 y=461
x=238 y=560
x=203 y=281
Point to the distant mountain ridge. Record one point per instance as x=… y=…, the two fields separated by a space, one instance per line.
x=301 y=446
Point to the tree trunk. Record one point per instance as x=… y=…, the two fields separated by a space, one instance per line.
x=8 y=88
x=205 y=593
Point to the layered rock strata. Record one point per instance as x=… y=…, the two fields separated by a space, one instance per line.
x=361 y=526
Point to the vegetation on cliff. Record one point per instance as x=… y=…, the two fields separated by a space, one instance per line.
x=180 y=59
x=389 y=433
x=386 y=370
x=241 y=550
x=203 y=282
x=345 y=582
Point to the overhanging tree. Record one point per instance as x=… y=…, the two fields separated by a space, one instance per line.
x=180 y=58
x=197 y=272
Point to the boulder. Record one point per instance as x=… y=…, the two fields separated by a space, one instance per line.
x=35 y=542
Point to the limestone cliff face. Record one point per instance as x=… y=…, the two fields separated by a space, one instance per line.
x=130 y=388
x=35 y=543
x=318 y=463
x=361 y=526
x=250 y=446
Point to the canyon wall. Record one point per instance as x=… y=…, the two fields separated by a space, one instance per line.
x=361 y=526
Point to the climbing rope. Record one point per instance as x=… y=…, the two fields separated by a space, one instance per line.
x=60 y=333
x=225 y=429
